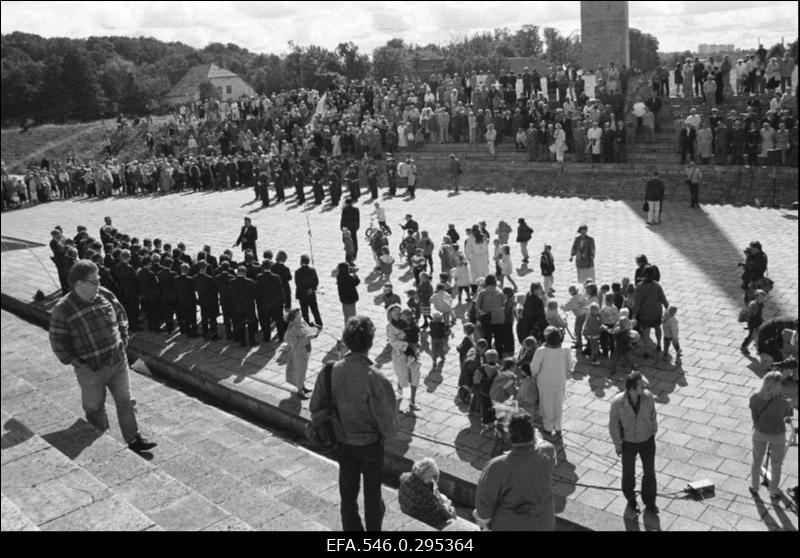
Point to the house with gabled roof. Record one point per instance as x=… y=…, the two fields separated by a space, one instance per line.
x=228 y=84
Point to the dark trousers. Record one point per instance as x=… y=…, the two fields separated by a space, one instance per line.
x=310 y=302
x=227 y=321
x=607 y=341
x=354 y=236
x=208 y=320
x=694 y=193
x=355 y=462
x=647 y=452
x=268 y=315
x=244 y=329
x=487 y=409
x=168 y=314
x=151 y=314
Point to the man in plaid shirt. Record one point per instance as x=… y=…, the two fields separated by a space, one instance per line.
x=89 y=330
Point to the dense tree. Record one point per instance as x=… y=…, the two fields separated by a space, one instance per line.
x=391 y=60
x=84 y=98
x=792 y=48
x=643 y=49
x=354 y=64
x=527 y=42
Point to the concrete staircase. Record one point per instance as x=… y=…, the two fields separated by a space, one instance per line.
x=210 y=471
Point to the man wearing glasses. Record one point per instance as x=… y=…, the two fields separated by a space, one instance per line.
x=89 y=330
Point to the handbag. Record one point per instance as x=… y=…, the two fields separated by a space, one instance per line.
x=646 y=207
x=321 y=431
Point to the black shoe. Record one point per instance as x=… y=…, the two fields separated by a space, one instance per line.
x=301 y=395
x=634 y=507
x=651 y=509
x=140 y=444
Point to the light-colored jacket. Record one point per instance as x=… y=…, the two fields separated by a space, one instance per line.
x=625 y=425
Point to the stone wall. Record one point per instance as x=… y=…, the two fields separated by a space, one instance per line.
x=726 y=185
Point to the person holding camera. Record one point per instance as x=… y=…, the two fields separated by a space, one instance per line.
x=770 y=411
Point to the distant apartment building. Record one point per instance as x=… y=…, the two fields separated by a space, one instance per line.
x=711 y=49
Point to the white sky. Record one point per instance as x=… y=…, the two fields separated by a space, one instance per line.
x=266 y=27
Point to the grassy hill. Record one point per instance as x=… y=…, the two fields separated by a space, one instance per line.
x=58 y=141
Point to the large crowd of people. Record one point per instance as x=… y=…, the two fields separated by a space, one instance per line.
x=510 y=345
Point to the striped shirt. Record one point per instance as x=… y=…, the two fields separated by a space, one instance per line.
x=89 y=333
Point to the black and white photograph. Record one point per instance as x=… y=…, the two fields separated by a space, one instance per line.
x=394 y=275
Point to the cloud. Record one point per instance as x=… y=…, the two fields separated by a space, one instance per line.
x=268 y=26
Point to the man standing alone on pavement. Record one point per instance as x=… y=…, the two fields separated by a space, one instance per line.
x=653 y=196
x=365 y=406
x=351 y=220
x=248 y=236
x=455 y=171
x=89 y=330
x=524 y=234
x=633 y=426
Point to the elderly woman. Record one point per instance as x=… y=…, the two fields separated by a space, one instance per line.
x=298 y=340
x=419 y=495
x=476 y=249
x=583 y=248
x=769 y=410
x=705 y=138
x=649 y=303
x=551 y=367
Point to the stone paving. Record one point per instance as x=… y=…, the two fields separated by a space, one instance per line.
x=704 y=426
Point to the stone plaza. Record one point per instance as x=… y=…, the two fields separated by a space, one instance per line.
x=704 y=421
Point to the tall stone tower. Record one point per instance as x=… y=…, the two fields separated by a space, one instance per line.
x=604 y=34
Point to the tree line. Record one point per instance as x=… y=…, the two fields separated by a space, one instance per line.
x=62 y=79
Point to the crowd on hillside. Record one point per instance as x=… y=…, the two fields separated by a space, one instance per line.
x=301 y=138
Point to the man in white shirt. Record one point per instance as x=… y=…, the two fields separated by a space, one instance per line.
x=402 y=172
x=593 y=135
x=693 y=119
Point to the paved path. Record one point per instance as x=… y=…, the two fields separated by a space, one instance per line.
x=704 y=427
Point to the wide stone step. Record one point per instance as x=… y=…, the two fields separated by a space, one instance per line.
x=43 y=489
x=89 y=481
x=211 y=470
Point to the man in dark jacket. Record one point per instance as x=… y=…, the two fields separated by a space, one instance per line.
x=524 y=234
x=248 y=236
x=284 y=273
x=166 y=293
x=128 y=289
x=305 y=277
x=222 y=281
x=269 y=300
x=653 y=196
x=533 y=320
x=186 y=302
x=207 y=297
x=147 y=282
x=244 y=313
x=351 y=220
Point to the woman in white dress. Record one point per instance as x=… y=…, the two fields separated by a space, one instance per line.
x=298 y=340
x=476 y=249
x=560 y=142
x=551 y=367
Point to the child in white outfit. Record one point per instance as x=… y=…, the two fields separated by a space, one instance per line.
x=670 y=327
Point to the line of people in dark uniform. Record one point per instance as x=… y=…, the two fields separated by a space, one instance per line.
x=163 y=286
